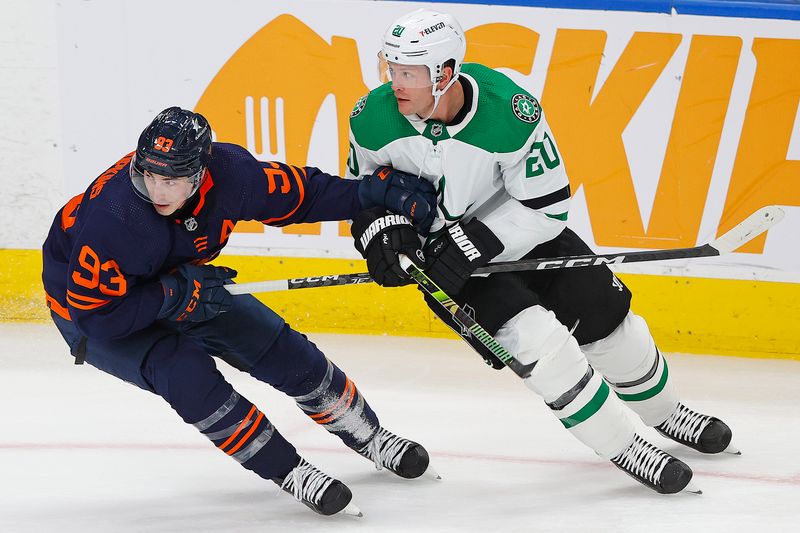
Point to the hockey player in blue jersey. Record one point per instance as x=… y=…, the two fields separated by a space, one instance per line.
x=128 y=288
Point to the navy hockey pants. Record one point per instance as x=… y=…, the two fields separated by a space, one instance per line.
x=174 y=360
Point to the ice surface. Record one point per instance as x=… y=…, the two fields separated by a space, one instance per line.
x=82 y=451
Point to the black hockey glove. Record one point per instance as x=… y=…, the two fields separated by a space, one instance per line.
x=401 y=193
x=379 y=238
x=196 y=293
x=453 y=256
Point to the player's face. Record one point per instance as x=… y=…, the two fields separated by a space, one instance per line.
x=167 y=193
x=412 y=88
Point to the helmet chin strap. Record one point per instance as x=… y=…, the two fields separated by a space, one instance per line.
x=436 y=96
x=433 y=109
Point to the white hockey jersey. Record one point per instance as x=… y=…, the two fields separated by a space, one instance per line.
x=499 y=164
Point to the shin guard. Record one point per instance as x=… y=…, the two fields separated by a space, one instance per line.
x=563 y=378
x=636 y=370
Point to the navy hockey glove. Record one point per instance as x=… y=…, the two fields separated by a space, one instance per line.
x=454 y=255
x=379 y=238
x=401 y=193
x=196 y=293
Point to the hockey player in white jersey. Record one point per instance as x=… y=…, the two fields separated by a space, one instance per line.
x=503 y=194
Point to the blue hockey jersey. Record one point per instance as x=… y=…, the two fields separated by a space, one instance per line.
x=107 y=247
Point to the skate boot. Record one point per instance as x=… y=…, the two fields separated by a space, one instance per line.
x=318 y=491
x=405 y=458
x=704 y=433
x=654 y=468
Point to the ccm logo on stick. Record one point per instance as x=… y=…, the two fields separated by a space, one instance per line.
x=589 y=261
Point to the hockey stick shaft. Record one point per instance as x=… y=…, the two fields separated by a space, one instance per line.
x=742 y=233
x=469 y=326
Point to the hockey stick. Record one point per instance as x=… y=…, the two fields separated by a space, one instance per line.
x=742 y=233
x=469 y=326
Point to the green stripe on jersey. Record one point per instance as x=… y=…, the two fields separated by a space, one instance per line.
x=589 y=409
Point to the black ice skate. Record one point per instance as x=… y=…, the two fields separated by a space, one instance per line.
x=655 y=468
x=405 y=458
x=704 y=433
x=318 y=491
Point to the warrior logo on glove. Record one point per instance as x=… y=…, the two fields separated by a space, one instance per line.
x=380 y=237
x=463 y=242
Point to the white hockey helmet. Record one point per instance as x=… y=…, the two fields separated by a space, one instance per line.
x=425 y=37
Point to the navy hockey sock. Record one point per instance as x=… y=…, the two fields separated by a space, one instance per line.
x=184 y=375
x=295 y=366
x=338 y=406
x=242 y=431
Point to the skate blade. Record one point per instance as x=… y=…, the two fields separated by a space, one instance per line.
x=432 y=474
x=352 y=510
x=731 y=449
x=691 y=487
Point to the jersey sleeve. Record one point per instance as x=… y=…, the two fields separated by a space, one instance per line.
x=535 y=179
x=107 y=296
x=292 y=194
x=279 y=194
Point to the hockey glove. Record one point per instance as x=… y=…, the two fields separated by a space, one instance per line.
x=379 y=238
x=196 y=293
x=401 y=193
x=453 y=256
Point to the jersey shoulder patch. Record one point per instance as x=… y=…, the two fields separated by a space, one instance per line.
x=375 y=120
x=503 y=103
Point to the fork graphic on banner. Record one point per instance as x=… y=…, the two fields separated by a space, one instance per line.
x=265 y=128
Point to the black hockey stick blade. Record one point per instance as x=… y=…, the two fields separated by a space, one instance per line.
x=747 y=230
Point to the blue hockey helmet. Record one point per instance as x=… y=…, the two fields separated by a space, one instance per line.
x=176 y=144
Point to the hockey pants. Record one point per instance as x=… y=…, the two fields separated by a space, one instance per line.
x=174 y=361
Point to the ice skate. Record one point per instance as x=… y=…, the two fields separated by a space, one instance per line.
x=655 y=468
x=405 y=458
x=704 y=433
x=318 y=491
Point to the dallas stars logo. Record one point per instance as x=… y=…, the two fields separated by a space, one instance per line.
x=359 y=106
x=526 y=108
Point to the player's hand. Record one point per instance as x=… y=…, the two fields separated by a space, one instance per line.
x=452 y=257
x=402 y=193
x=379 y=238
x=196 y=293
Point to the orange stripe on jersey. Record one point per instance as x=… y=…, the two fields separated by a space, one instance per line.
x=301 y=191
x=242 y=425
x=56 y=307
x=348 y=395
x=206 y=186
x=85 y=303
x=247 y=435
x=86 y=299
